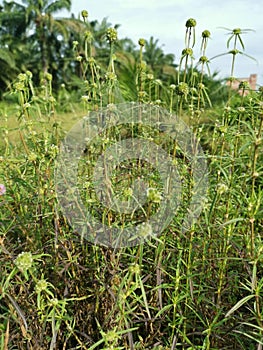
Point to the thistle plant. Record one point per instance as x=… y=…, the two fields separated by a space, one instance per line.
x=199 y=289
x=190 y=32
x=141 y=74
x=236 y=36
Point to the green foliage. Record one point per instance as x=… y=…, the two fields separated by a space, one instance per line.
x=200 y=289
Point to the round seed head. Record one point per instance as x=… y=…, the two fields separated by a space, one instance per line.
x=88 y=36
x=206 y=34
x=234 y=52
x=22 y=77
x=190 y=23
x=182 y=89
x=187 y=52
x=145 y=230
x=111 y=35
x=111 y=76
x=29 y=74
x=24 y=261
x=84 y=14
x=41 y=285
x=237 y=31
x=241 y=109
x=150 y=76
x=201 y=86
x=48 y=76
x=244 y=85
x=141 y=42
x=153 y=194
x=203 y=59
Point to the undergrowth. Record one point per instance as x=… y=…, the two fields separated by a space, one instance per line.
x=200 y=289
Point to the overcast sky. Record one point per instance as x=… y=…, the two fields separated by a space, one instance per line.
x=165 y=20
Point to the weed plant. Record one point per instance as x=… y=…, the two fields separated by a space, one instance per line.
x=201 y=289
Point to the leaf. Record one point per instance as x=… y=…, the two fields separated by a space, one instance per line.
x=228 y=41
x=239 y=304
x=241 y=41
x=231 y=221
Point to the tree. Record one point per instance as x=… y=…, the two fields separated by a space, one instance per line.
x=159 y=62
x=37 y=40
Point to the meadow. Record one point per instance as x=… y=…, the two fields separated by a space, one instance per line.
x=199 y=288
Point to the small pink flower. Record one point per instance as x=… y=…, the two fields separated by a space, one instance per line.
x=2 y=189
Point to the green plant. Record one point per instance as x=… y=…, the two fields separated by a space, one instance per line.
x=195 y=289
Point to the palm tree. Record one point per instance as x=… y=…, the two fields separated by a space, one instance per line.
x=12 y=37
x=157 y=60
x=33 y=21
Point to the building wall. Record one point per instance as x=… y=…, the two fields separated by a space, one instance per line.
x=252 y=80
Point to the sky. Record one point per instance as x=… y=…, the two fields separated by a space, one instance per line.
x=165 y=21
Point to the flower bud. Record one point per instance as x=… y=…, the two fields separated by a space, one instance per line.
x=187 y=52
x=182 y=89
x=190 y=23
x=48 y=76
x=237 y=31
x=206 y=34
x=244 y=85
x=84 y=14
x=24 y=261
x=41 y=286
x=111 y=35
x=29 y=74
x=203 y=59
x=141 y=42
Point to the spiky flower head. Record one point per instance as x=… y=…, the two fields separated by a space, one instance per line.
x=29 y=74
x=84 y=14
x=203 y=59
x=150 y=76
x=135 y=268
x=190 y=23
x=111 y=76
x=201 y=86
x=111 y=336
x=237 y=31
x=187 y=52
x=41 y=286
x=244 y=85
x=22 y=77
x=111 y=35
x=206 y=34
x=141 y=42
x=154 y=195
x=145 y=230
x=234 y=52
x=222 y=188
x=88 y=36
x=48 y=76
x=24 y=261
x=182 y=89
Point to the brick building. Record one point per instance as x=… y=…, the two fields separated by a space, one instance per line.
x=252 y=80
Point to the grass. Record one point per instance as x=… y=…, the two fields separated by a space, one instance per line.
x=194 y=289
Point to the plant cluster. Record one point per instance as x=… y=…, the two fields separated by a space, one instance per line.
x=200 y=289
